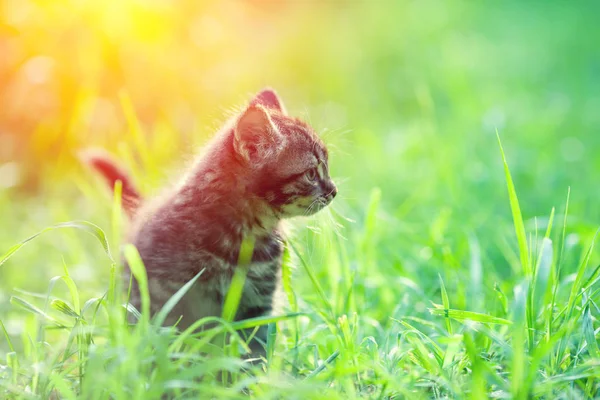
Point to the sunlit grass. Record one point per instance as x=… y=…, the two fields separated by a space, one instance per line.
x=540 y=342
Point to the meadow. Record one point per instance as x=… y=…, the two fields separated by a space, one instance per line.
x=457 y=261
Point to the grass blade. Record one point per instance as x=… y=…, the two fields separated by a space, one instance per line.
x=7 y=337
x=136 y=265
x=33 y=309
x=64 y=308
x=519 y=370
x=264 y=320
x=85 y=226
x=521 y=238
x=556 y=273
x=173 y=300
x=446 y=304
x=461 y=315
x=588 y=331
x=542 y=275
x=516 y=213
x=324 y=365
x=314 y=280
x=286 y=278
x=234 y=294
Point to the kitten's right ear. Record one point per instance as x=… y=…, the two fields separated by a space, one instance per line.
x=256 y=138
x=269 y=99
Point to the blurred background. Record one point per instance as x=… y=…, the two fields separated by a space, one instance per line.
x=407 y=94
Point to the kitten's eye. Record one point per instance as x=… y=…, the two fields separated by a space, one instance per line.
x=311 y=174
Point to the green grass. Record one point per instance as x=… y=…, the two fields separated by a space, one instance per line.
x=458 y=260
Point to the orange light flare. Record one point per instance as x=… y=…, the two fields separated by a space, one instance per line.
x=66 y=64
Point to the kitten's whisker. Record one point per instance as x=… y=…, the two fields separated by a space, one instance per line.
x=341 y=180
x=308 y=210
x=336 y=226
x=334 y=133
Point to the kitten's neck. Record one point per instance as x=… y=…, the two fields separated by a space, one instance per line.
x=217 y=186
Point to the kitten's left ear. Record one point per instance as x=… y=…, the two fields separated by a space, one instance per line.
x=269 y=99
x=256 y=138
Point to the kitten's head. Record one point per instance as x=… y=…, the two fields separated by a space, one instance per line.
x=286 y=163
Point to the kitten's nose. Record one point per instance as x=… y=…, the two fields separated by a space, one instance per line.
x=332 y=190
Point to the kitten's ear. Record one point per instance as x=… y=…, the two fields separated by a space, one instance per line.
x=269 y=99
x=256 y=138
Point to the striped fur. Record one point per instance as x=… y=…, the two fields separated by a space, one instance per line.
x=261 y=168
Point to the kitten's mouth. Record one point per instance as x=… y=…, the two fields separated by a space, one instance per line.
x=326 y=200
x=308 y=206
x=320 y=203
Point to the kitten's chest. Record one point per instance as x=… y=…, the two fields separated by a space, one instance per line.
x=207 y=298
x=208 y=295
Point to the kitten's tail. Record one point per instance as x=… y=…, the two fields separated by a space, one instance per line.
x=111 y=171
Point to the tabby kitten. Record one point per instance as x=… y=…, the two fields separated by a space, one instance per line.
x=262 y=167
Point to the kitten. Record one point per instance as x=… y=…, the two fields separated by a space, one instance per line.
x=262 y=167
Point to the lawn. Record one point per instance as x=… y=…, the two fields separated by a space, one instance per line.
x=457 y=261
